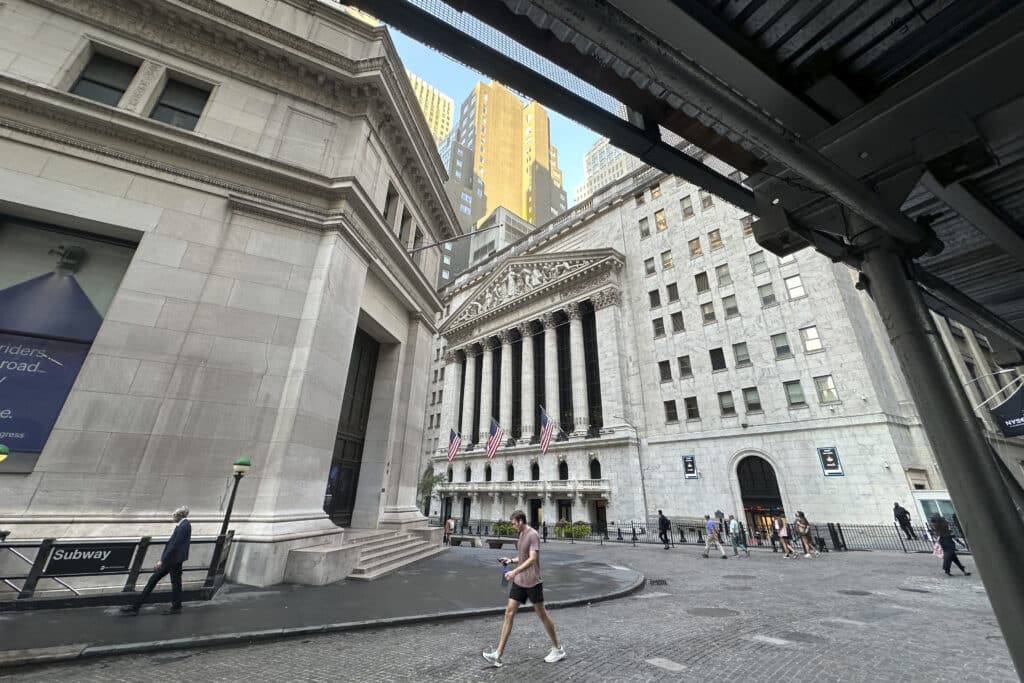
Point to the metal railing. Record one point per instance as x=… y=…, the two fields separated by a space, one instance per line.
x=825 y=537
x=58 y=559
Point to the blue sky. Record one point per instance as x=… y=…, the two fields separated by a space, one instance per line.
x=456 y=80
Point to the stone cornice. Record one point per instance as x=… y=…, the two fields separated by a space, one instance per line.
x=233 y=42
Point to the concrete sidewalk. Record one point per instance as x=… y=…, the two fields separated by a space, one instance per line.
x=460 y=583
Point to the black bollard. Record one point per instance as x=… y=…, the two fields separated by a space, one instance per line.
x=634 y=537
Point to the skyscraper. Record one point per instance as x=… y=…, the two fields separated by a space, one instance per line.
x=603 y=163
x=437 y=107
x=511 y=153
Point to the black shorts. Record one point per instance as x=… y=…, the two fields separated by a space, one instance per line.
x=534 y=594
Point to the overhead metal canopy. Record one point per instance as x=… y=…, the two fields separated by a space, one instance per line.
x=899 y=111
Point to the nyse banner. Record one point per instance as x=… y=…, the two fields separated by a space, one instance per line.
x=830 y=464
x=1009 y=415
x=690 y=467
x=35 y=378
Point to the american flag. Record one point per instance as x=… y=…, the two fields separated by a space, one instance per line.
x=454 y=443
x=547 y=428
x=494 y=438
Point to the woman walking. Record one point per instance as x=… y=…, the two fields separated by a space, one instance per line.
x=782 y=531
x=803 y=528
x=940 y=527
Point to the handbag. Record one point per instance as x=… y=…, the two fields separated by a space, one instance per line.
x=937 y=551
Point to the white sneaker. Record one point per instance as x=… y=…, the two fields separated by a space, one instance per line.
x=556 y=654
x=807 y=554
x=493 y=658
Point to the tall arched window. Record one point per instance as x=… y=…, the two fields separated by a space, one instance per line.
x=535 y=472
x=595 y=469
x=563 y=470
x=510 y=473
x=487 y=473
x=450 y=475
x=469 y=473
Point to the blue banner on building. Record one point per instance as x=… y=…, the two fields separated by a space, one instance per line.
x=1009 y=415
x=35 y=377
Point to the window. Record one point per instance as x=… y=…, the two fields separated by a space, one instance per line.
x=645 y=228
x=430 y=424
x=655 y=191
x=469 y=473
x=104 y=79
x=649 y=266
x=767 y=295
x=715 y=239
x=810 y=338
x=670 y=412
x=695 y=249
x=440 y=395
x=826 y=389
x=672 y=289
x=687 y=206
x=445 y=274
x=665 y=370
x=741 y=354
x=446 y=259
x=732 y=309
x=435 y=376
x=180 y=104
x=639 y=198
x=722 y=275
x=684 y=366
x=660 y=221
x=794 y=393
x=781 y=343
x=441 y=376
x=707 y=312
x=725 y=402
x=794 y=287
x=433 y=397
x=758 y=263
x=677 y=322
x=655 y=297
x=787 y=259
x=717 y=359
x=666 y=260
x=752 y=400
x=447 y=246
x=692 y=409
x=706 y=202
x=747 y=224
x=702 y=282
x=659 y=327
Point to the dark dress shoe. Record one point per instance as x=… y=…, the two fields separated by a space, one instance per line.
x=130 y=610
x=173 y=610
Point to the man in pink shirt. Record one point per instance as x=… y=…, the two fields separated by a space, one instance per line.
x=526 y=585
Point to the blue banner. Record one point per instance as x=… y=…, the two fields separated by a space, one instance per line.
x=1009 y=415
x=35 y=378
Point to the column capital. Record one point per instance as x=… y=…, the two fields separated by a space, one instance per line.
x=505 y=337
x=574 y=311
x=451 y=357
x=549 y=321
x=489 y=343
x=471 y=351
x=527 y=329
x=606 y=297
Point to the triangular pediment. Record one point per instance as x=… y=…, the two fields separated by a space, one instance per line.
x=522 y=279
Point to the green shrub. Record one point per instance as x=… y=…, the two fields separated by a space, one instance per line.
x=503 y=529
x=579 y=530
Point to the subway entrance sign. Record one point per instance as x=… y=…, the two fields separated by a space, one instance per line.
x=75 y=559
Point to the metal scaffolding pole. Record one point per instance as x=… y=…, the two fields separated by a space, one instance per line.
x=983 y=504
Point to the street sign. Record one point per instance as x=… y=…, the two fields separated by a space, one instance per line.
x=830 y=465
x=89 y=558
x=1009 y=415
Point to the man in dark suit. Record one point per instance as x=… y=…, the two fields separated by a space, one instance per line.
x=174 y=555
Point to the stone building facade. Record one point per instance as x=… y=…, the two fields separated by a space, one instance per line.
x=694 y=372
x=232 y=192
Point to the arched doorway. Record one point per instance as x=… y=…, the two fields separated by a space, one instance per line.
x=759 y=489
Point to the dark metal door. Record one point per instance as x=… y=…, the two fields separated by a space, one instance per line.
x=343 y=480
x=760 y=491
x=535 y=512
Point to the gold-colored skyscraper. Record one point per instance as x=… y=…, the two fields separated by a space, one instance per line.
x=512 y=153
x=437 y=107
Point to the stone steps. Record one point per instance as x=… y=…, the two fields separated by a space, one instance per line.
x=384 y=554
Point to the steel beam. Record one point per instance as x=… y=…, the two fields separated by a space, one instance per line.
x=436 y=33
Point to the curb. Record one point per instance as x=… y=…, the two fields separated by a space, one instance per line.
x=15 y=658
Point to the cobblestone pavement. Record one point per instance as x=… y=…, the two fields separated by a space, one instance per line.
x=855 y=616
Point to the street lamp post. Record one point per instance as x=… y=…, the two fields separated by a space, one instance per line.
x=240 y=467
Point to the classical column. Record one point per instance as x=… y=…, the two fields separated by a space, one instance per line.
x=468 y=391
x=578 y=367
x=505 y=385
x=609 y=362
x=527 y=399
x=451 y=399
x=486 y=388
x=551 y=404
